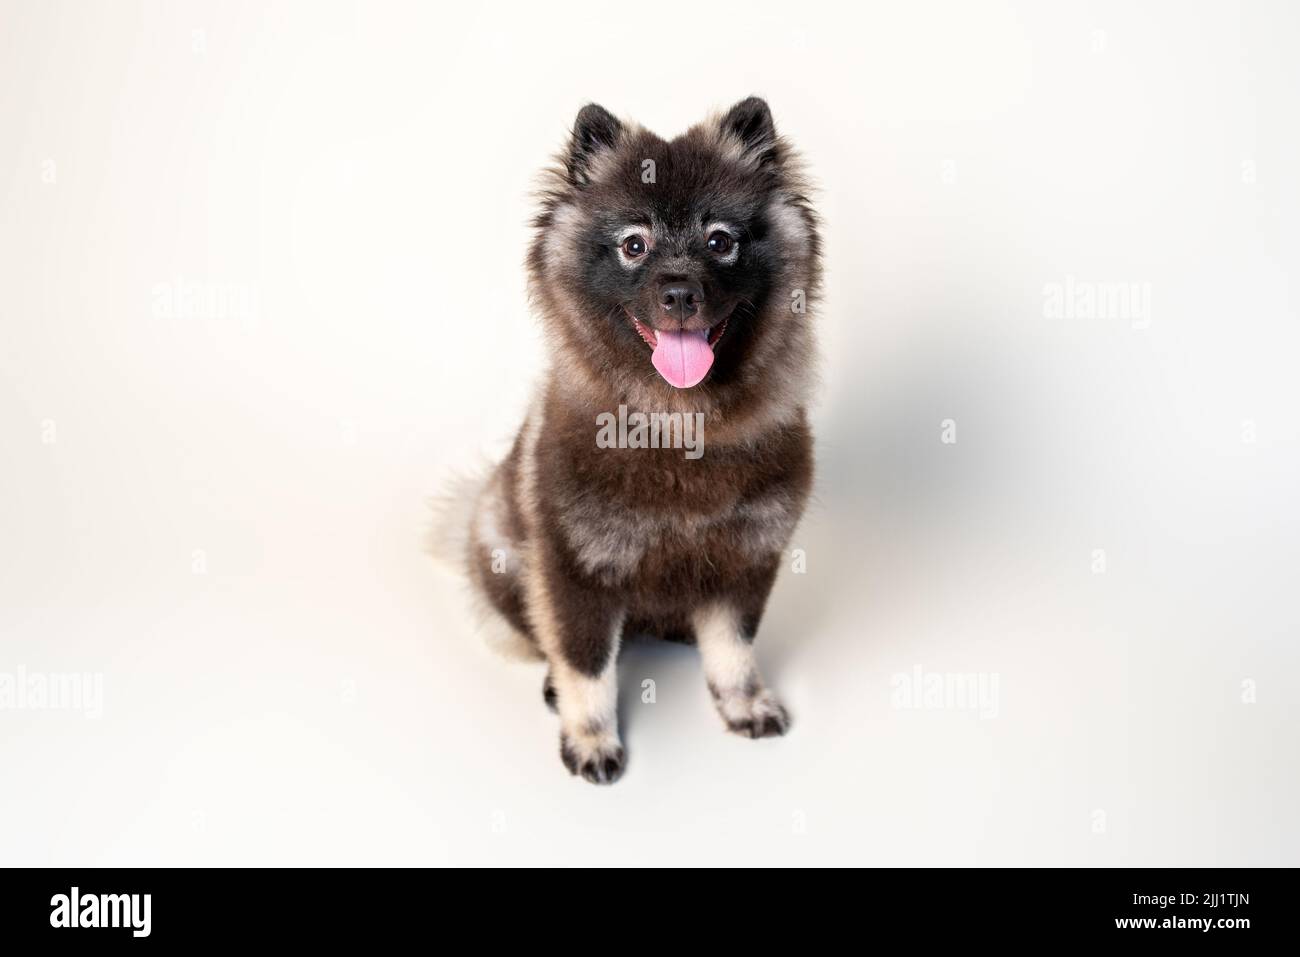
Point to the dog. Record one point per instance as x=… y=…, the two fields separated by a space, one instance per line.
x=675 y=281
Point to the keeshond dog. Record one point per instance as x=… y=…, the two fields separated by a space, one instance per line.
x=658 y=477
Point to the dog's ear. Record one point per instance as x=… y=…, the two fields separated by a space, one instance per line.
x=749 y=122
x=594 y=131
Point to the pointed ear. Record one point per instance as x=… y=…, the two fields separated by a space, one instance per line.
x=594 y=131
x=750 y=123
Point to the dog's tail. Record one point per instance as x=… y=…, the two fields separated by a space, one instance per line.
x=448 y=541
x=453 y=511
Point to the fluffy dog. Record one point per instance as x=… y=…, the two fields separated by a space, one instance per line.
x=675 y=280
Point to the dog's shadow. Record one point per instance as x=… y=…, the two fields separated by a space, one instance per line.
x=881 y=465
x=646 y=663
x=797 y=612
x=883 y=471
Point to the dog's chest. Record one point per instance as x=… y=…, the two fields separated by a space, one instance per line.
x=651 y=518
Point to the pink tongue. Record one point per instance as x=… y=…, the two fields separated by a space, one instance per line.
x=683 y=358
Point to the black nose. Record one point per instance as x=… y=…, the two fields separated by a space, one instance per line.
x=681 y=297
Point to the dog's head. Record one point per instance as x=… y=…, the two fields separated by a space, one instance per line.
x=678 y=273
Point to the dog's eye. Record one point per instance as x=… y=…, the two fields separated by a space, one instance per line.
x=633 y=247
x=720 y=243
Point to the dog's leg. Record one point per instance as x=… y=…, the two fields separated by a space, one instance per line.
x=588 y=706
x=726 y=647
x=580 y=631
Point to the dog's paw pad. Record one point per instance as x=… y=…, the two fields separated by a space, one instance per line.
x=759 y=716
x=598 y=758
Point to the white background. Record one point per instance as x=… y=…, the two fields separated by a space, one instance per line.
x=219 y=510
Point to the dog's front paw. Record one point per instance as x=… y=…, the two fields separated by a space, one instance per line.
x=757 y=715
x=597 y=757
